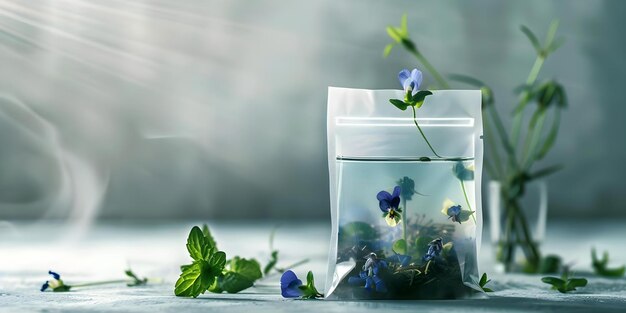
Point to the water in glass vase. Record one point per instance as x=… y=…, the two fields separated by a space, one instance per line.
x=407 y=228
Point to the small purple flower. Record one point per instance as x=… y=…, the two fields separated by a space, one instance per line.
x=434 y=249
x=389 y=204
x=410 y=81
x=369 y=277
x=290 y=285
x=56 y=284
x=454 y=212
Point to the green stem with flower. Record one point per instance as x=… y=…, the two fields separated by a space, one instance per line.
x=414 y=98
x=56 y=284
x=516 y=173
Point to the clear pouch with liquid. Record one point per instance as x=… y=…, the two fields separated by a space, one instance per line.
x=406 y=218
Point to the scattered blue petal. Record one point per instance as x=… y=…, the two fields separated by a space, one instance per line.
x=289 y=284
x=54 y=275
x=45 y=286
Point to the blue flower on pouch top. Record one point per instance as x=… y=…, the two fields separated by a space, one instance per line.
x=389 y=204
x=55 y=284
x=369 y=276
x=410 y=81
x=434 y=249
x=455 y=212
x=413 y=97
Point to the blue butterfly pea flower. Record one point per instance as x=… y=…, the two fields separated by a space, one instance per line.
x=434 y=249
x=369 y=276
x=410 y=81
x=289 y=285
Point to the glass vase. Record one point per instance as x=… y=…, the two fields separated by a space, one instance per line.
x=518 y=225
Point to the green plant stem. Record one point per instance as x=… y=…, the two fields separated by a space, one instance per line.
x=501 y=131
x=533 y=254
x=524 y=98
x=422 y=133
x=106 y=282
x=533 y=140
x=467 y=200
x=404 y=221
x=514 y=236
x=431 y=69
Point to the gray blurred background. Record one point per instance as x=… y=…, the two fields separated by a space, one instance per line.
x=216 y=109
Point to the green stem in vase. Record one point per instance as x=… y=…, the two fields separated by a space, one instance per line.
x=532 y=252
x=524 y=99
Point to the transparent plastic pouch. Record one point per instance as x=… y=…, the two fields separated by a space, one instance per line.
x=405 y=195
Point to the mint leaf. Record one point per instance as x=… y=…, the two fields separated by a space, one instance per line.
x=217 y=262
x=197 y=245
x=247 y=268
x=208 y=264
x=194 y=280
x=554 y=281
x=208 y=238
x=576 y=282
x=240 y=274
x=232 y=282
x=565 y=284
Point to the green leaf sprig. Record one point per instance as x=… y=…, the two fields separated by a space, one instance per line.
x=600 y=266
x=212 y=271
x=484 y=281
x=564 y=284
x=309 y=291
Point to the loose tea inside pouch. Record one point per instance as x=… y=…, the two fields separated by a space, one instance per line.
x=405 y=194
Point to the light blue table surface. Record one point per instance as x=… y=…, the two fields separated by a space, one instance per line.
x=103 y=251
